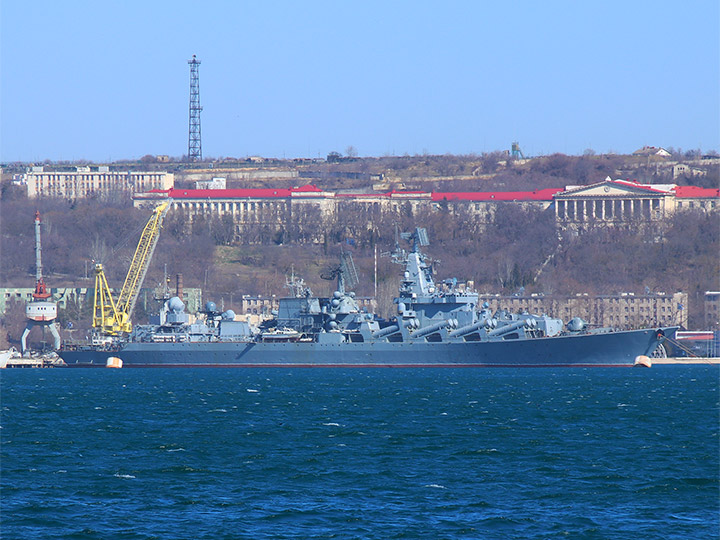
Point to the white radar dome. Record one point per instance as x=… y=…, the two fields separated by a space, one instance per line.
x=175 y=304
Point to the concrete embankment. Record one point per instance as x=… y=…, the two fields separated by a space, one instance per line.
x=691 y=360
x=34 y=363
x=13 y=359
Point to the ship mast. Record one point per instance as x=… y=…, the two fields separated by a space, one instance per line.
x=41 y=292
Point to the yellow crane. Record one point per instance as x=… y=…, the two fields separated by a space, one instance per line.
x=111 y=317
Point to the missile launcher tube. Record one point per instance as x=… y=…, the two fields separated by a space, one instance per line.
x=432 y=328
x=511 y=327
x=470 y=328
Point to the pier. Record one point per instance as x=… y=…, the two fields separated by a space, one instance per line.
x=38 y=361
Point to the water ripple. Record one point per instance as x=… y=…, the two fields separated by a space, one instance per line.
x=261 y=454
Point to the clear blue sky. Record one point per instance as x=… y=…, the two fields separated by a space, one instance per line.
x=109 y=80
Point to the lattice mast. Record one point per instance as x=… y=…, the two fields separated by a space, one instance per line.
x=194 y=139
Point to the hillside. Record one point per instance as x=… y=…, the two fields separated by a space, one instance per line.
x=521 y=248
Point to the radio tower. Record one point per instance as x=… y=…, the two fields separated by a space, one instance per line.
x=194 y=142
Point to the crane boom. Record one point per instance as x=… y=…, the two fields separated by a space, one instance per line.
x=113 y=317
x=141 y=260
x=106 y=317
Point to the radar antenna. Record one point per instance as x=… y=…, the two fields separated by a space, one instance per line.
x=297 y=285
x=348 y=271
x=345 y=272
x=418 y=237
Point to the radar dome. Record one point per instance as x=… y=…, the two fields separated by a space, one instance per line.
x=210 y=306
x=576 y=324
x=229 y=315
x=175 y=304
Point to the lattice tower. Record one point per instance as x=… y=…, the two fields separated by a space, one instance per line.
x=194 y=140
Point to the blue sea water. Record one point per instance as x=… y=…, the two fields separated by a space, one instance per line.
x=360 y=453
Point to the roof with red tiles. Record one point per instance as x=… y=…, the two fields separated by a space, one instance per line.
x=227 y=193
x=692 y=192
x=537 y=195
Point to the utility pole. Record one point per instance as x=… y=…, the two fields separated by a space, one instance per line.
x=375 y=273
x=194 y=140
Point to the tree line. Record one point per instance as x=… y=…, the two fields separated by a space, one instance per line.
x=518 y=247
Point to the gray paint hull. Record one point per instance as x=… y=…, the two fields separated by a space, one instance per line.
x=609 y=349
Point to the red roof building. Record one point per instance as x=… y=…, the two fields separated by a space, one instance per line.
x=607 y=203
x=694 y=192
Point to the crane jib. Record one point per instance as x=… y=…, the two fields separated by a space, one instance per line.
x=113 y=317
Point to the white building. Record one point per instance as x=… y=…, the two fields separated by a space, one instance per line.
x=93 y=181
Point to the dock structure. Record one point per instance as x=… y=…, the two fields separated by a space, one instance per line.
x=15 y=360
x=688 y=360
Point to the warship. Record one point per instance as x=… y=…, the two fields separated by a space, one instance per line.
x=437 y=325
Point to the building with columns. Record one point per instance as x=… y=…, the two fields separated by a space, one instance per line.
x=282 y=206
x=607 y=203
x=627 y=203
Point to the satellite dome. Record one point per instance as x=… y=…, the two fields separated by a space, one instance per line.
x=229 y=315
x=210 y=306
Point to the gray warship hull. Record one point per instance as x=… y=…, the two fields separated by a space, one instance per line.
x=437 y=325
x=609 y=349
